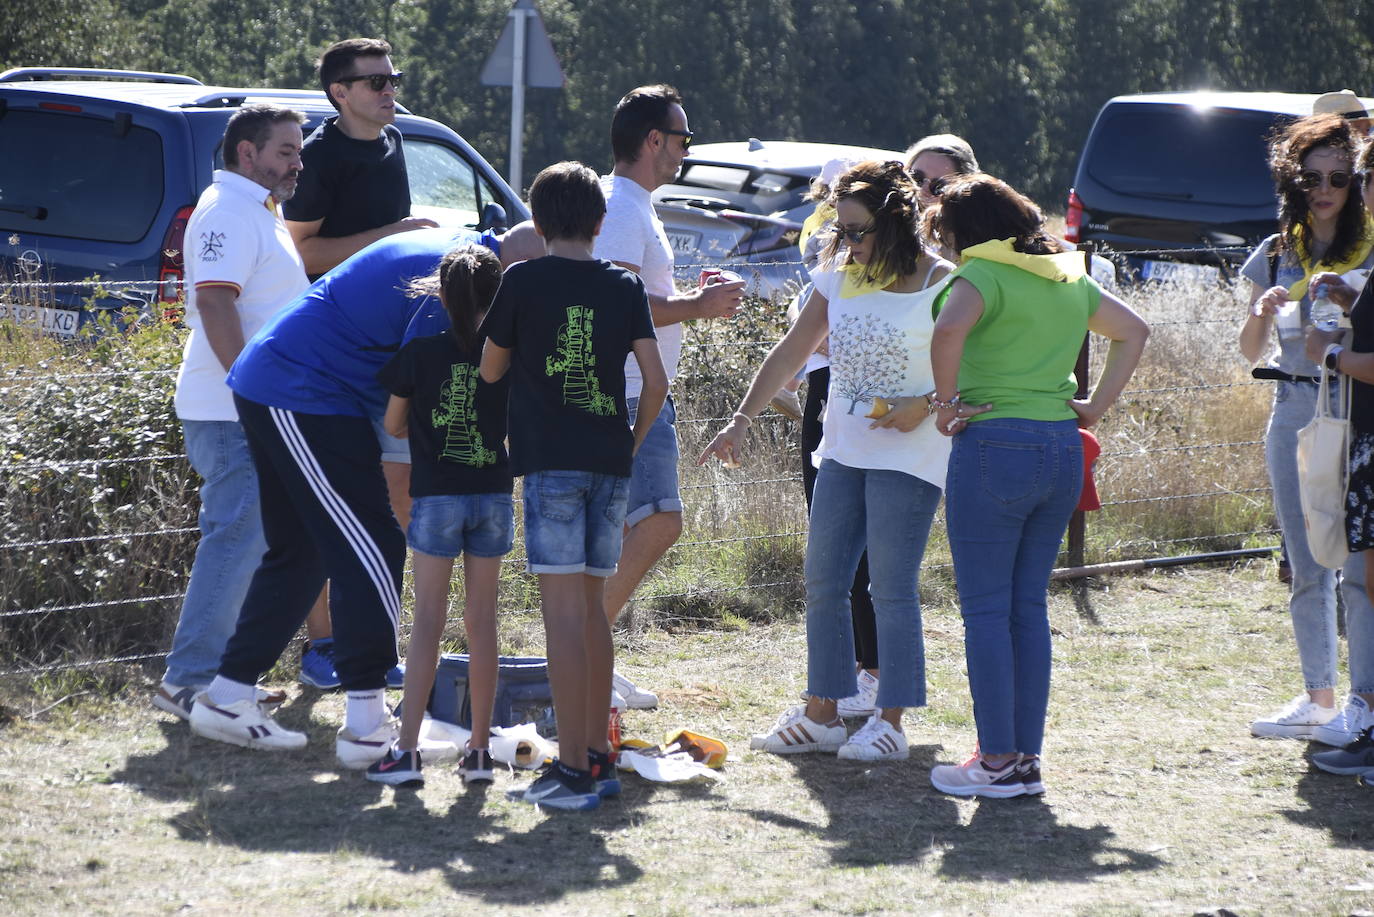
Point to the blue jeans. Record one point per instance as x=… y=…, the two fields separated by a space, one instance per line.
x=1312 y=604
x=889 y=513
x=450 y=525
x=574 y=521
x=1012 y=486
x=653 y=476
x=231 y=547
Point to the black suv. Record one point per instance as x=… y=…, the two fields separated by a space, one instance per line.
x=1182 y=178
x=100 y=169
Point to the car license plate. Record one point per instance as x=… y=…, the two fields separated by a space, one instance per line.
x=61 y=322
x=684 y=243
x=1177 y=270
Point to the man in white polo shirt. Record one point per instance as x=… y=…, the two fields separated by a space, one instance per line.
x=241 y=269
x=649 y=140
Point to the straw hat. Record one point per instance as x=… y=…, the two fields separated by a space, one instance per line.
x=1344 y=103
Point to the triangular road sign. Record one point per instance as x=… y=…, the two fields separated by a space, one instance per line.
x=541 y=64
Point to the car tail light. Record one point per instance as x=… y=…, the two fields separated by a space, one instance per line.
x=172 y=266
x=1073 y=218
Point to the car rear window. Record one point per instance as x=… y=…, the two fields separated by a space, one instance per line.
x=74 y=176
x=746 y=189
x=1178 y=152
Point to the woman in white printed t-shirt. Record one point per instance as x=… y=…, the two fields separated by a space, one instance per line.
x=880 y=479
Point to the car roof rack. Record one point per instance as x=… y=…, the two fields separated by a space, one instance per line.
x=234 y=98
x=20 y=74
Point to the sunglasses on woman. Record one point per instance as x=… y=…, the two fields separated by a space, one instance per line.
x=1311 y=179
x=854 y=236
x=932 y=184
x=375 y=81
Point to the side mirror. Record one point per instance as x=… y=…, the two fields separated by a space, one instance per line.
x=494 y=218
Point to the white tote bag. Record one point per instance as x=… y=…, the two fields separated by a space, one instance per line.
x=1323 y=473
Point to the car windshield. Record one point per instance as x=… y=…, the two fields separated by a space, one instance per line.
x=718 y=186
x=1208 y=155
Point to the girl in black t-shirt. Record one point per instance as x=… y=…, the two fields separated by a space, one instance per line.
x=461 y=485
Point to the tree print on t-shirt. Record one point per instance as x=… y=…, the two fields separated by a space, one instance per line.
x=575 y=361
x=457 y=414
x=868 y=359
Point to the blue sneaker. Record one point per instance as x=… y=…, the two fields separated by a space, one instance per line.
x=1355 y=758
x=317 y=665
x=396 y=676
x=604 y=773
x=558 y=788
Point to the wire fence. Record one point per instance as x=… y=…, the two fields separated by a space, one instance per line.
x=98 y=529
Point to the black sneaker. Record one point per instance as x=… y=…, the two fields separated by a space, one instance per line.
x=476 y=766
x=561 y=787
x=1355 y=758
x=603 y=771
x=1029 y=772
x=397 y=768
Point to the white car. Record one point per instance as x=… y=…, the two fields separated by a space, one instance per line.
x=740 y=206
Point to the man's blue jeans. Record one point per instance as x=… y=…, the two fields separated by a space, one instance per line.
x=231 y=547
x=1012 y=486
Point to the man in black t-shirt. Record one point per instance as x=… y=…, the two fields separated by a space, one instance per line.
x=353 y=188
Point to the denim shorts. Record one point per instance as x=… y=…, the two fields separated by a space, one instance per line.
x=449 y=525
x=394 y=448
x=574 y=521
x=653 y=477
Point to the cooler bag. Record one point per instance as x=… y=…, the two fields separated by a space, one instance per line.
x=522 y=693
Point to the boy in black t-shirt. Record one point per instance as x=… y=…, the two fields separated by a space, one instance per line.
x=563 y=325
x=461 y=485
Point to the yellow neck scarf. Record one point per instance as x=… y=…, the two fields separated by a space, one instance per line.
x=1357 y=258
x=852 y=282
x=1062 y=267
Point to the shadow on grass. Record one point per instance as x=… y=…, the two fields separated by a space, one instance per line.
x=888 y=814
x=1335 y=804
x=300 y=802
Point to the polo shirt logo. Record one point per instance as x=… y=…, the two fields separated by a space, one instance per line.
x=211 y=246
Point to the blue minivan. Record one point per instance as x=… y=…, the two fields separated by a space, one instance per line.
x=100 y=169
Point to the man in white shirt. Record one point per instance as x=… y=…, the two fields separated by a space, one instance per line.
x=649 y=140
x=241 y=269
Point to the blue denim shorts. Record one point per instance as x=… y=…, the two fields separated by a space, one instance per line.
x=394 y=448
x=449 y=525
x=574 y=521
x=653 y=477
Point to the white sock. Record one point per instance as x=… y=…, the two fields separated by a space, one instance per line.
x=364 y=711
x=224 y=691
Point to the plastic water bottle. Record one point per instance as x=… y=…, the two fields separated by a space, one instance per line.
x=1326 y=315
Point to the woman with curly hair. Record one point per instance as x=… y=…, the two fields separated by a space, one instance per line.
x=880 y=479
x=1323 y=227
x=1008 y=333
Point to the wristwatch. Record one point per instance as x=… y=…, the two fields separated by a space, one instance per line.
x=1333 y=357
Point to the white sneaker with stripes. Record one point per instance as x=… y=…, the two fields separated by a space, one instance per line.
x=795 y=734
x=244 y=723
x=877 y=740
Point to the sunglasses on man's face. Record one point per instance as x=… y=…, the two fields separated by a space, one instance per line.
x=1311 y=179
x=375 y=81
x=685 y=135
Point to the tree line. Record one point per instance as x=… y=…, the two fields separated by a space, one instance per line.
x=1022 y=80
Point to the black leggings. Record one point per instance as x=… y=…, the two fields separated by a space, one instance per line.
x=860 y=602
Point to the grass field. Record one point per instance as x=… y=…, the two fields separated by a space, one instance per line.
x=1158 y=800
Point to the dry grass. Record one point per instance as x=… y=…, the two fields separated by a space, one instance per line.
x=1158 y=801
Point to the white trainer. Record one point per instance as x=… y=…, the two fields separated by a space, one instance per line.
x=244 y=723
x=636 y=698
x=179 y=700
x=1295 y=720
x=877 y=740
x=1345 y=727
x=863 y=702
x=357 y=752
x=795 y=734
x=975 y=778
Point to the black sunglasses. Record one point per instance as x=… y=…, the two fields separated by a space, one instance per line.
x=933 y=184
x=1311 y=179
x=376 y=81
x=853 y=236
x=685 y=135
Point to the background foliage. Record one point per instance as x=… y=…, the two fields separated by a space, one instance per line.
x=1021 y=79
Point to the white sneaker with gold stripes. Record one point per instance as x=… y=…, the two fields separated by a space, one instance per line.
x=795 y=734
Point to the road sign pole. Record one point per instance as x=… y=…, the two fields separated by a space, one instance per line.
x=517 y=100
